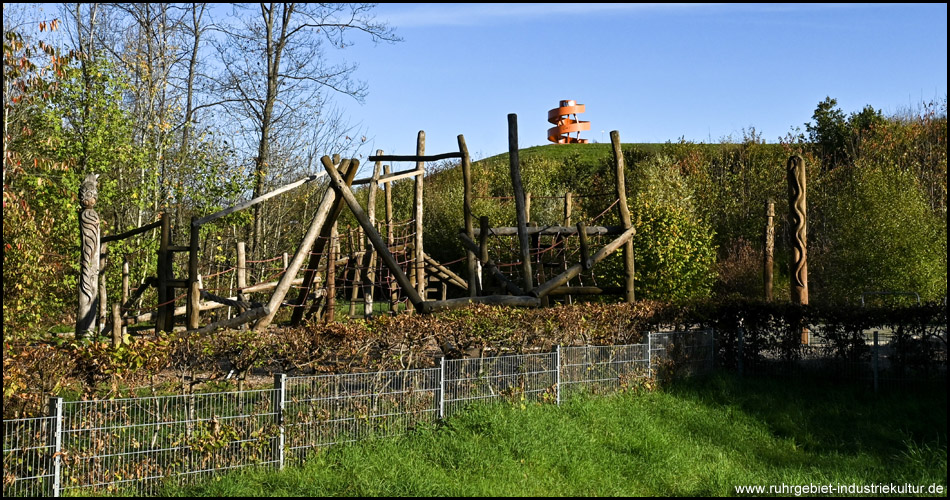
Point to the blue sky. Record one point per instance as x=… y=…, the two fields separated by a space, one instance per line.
x=654 y=72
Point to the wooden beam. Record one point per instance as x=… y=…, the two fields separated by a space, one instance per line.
x=242 y=305
x=416 y=158
x=318 y=246
x=319 y=221
x=389 y=177
x=576 y=269
x=131 y=233
x=454 y=277
x=491 y=267
x=576 y=290
x=250 y=203
x=336 y=182
x=494 y=300
x=245 y=317
x=553 y=231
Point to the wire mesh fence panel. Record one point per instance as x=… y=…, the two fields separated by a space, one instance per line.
x=127 y=446
x=602 y=369
x=130 y=446
x=895 y=359
x=527 y=377
x=682 y=353
x=28 y=447
x=329 y=409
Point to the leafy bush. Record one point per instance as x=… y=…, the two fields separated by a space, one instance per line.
x=881 y=235
x=673 y=245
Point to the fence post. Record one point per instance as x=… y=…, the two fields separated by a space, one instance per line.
x=557 y=379
x=650 y=354
x=874 y=360
x=280 y=384
x=56 y=411
x=739 y=355
x=442 y=388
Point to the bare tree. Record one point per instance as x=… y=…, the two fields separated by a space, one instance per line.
x=277 y=78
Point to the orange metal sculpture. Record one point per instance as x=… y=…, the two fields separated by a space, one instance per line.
x=560 y=134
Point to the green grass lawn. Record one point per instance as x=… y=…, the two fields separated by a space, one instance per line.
x=700 y=437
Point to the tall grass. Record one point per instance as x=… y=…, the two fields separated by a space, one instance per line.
x=702 y=437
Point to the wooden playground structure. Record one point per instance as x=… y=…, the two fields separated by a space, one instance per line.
x=385 y=261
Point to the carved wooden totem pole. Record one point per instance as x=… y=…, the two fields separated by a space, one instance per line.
x=797 y=221
x=89 y=263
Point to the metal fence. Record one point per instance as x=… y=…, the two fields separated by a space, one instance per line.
x=873 y=358
x=130 y=446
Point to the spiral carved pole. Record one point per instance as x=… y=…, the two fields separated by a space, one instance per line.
x=797 y=219
x=769 y=253
x=89 y=263
x=565 y=125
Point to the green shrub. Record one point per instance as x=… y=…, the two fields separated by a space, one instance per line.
x=675 y=255
x=881 y=235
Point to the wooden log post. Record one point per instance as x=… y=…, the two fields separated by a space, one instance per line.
x=769 y=250
x=798 y=222
x=342 y=189
x=125 y=279
x=356 y=241
x=89 y=257
x=165 y=319
x=390 y=236
x=483 y=258
x=585 y=249
x=241 y=270
x=116 y=325
x=568 y=208
x=193 y=314
x=527 y=207
x=624 y=210
x=490 y=268
x=334 y=207
x=316 y=226
x=329 y=313
x=522 y=217
x=388 y=190
x=418 y=250
x=473 y=282
x=104 y=314
x=369 y=257
x=125 y=289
